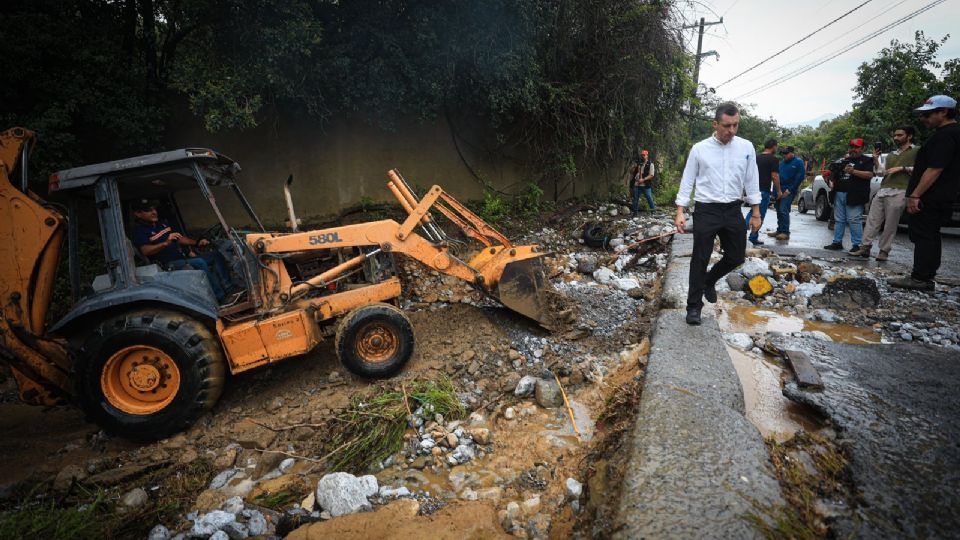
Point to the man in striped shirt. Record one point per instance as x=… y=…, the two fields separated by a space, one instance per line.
x=722 y=167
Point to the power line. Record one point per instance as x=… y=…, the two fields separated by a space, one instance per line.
x=885 y=11
x=794 y=44
x=856 y=43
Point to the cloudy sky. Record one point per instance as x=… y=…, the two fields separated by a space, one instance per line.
x=755 y=29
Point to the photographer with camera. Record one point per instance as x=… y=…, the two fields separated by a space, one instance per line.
x=852 y=193
x=890 y=201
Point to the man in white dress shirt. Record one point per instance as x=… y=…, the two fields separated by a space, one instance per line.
x=722 y=167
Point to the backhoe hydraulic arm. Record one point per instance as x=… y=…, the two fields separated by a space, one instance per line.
x=508 y=273
x=31 y=236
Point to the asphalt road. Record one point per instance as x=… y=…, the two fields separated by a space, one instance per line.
x=896 y=408
x=809 y=236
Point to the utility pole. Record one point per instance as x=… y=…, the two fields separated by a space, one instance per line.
x=696 y=68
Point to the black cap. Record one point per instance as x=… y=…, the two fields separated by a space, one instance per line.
x=788 y=150
x=141 y=205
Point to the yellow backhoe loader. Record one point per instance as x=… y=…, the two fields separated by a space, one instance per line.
x=145 y=348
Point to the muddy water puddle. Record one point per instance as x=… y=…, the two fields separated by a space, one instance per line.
x=753 y=320
x=761 y=375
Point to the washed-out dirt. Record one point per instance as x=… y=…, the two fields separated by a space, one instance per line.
x=280 y=411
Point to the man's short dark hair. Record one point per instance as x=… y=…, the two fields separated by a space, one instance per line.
x=909 y=130
x=728 y=108
x=771 y=143
x=951 y=114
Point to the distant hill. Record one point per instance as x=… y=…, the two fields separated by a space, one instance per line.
x=813 y=122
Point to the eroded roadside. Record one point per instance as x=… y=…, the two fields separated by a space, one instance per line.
x=825 y=443
x=478 y=449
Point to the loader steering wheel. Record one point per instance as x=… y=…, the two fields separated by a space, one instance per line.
x=212 y=234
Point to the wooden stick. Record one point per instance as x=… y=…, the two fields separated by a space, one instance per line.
x=569 y=409
x=405 y=404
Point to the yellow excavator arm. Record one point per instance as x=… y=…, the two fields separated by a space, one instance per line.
x=31 y=237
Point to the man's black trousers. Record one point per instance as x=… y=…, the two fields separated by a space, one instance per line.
x=711 y=220
x=925 y=235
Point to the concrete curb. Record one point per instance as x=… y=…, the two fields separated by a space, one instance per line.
x=697 y=464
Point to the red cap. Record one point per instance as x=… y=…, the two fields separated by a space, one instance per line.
x=644 y=153
x=856 y=142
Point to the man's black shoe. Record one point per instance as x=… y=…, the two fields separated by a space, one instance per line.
x=833 y=246
x=710 y=293
x=693 y=317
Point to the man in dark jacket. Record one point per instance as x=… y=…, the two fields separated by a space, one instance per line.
x=933 y=187
x=853 y=192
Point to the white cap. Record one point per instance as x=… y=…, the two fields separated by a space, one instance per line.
x=938 y=102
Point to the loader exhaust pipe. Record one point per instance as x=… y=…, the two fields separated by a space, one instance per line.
x=291 y=215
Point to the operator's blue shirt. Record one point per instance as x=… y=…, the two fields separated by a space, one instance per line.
x=792 y=174
x=146 y=234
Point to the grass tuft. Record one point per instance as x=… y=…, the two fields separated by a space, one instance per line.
x=371 y=429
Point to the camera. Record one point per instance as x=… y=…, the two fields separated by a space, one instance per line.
x=877 y=146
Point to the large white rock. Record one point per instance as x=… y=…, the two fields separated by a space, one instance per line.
x=625 y=284
x=755 y=266
x=807 y=290
x=370 y=485
x=210 y=523
x=342 y=493
x=603 y=275
x=739 y=340
x=526 y=386
x=574 y=489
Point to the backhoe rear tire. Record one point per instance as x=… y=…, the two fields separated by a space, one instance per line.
x=148 y=374
x=375 y=341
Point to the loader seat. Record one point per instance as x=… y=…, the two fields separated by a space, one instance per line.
x=144 y=269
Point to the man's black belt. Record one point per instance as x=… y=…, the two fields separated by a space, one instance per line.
x=737 y=202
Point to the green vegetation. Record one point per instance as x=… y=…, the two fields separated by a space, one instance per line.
x=89 y=513
x=46 y=519
x=371 y=429
x=566 y=87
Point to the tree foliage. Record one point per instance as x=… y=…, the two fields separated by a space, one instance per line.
x=574 y=85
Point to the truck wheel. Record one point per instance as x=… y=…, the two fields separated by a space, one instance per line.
x=802 y=205
x=822 y=210
x=148 y=374
x=375 y=341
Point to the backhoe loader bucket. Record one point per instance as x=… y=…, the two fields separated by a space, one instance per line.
x=524 y=289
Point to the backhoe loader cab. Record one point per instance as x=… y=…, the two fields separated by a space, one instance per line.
x=108 y=192
x=146 y=347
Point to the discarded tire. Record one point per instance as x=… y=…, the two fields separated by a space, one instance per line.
x=595 y=235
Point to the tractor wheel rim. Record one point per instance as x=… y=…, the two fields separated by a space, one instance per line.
x=377 y=342
x=140 y=380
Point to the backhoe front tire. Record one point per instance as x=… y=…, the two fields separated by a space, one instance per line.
x=148 y=374
x=375 y=341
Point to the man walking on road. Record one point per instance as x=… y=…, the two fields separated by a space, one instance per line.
x=767 y=165
x=853 y=192
x=888 y=204
x=792 y=173
x=722 y=167
x=933 y=187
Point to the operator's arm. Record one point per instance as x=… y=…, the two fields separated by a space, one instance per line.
x=776 y=182
x=687 y=181
x=149 y=250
